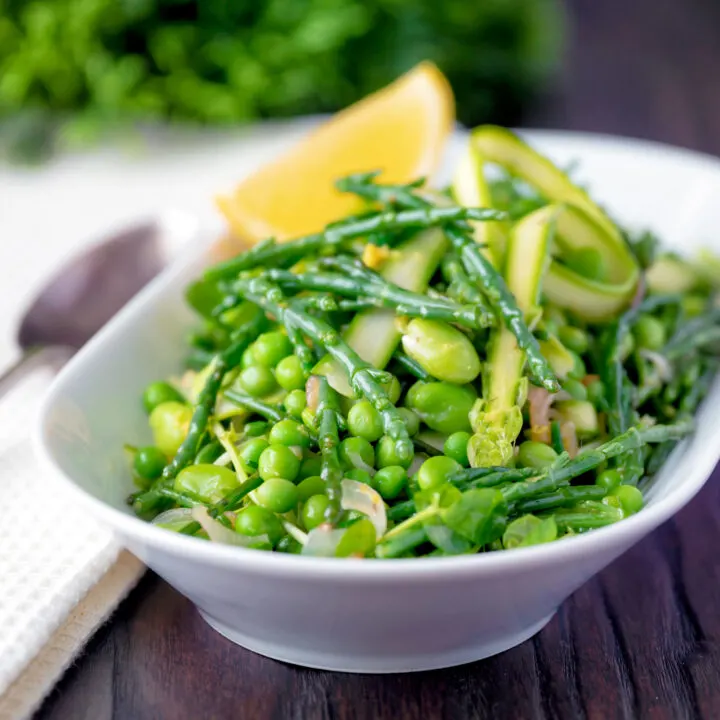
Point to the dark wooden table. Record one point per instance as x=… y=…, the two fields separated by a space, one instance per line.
x=640 y=640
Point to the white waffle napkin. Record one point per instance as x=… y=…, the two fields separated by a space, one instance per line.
x=61 y=573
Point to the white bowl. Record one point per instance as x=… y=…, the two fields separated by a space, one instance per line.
x=370 y=616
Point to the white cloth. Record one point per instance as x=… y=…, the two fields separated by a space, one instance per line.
x=51 y=556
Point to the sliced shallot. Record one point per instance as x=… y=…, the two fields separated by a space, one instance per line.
x=174 y=519
x=361 y=497
x=322 y=541
x=218 y=533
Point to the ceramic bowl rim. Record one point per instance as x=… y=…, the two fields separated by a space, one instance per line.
x=134 y=530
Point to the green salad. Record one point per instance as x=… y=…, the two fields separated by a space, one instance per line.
x=493 y=365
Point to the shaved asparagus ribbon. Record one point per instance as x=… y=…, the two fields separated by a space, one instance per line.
x=496 y=418
x=580 y=225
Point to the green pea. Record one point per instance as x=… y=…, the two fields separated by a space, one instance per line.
x=158 y=393
x=209 y=483
x=575 y=389
x=313 y=485
x=456 y=445
x=364 y=421
x=649 y=333
x=290 y=433
x=390 y=481
x=596 y=392
x=536 y=455
x=169 y=423
x=248 y=359
x=271 y=347
x=289 y=373
x=436 y=470
x=295 y=402
x=311 y=465
x=256 y=428
x=289 y=545
x=442 y=406
x=278 y=461
x=411 y=420
x=578 y=371
x=358 y=474
x=277 y=494
x=693 y=305
x=608 y=479
x=358 y=539
x=574 y=339
x=250 y=453
x=588 y=262
x=582 y=414
x=356 y=452
x=393 y=389
x=255 y=520
x=313 y=512
x=441 y=350
x=257 y=380
x=387 y=455
x=631 y=499
x=149 y=462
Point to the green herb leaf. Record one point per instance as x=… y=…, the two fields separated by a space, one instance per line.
x=529 y=530
x=479 y=515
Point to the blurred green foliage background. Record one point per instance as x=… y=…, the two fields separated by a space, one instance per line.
x=73 y=69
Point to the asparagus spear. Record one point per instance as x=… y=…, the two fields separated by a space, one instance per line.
x=490 y=476
x=481 y=515
x=269 y=252
x=618 y=388
x=560 y=498
x=686 y=407
x=412 y=366
x=401 y=543
x=399 y=196
x=274 y=413
x=329 y=440
x=303 y=353
x=460 y=287
x=478 y=267
x=401 y=511
x=561 y=473
x=693 y=335
x=496 y=419
x=520 y=484
x=229 y=502
x=221 y=364
x=374 y=334
x=587 y=519
x=364 y=379
x=356 y=281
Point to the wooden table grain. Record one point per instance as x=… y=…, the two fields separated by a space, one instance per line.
x=641 y=640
